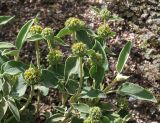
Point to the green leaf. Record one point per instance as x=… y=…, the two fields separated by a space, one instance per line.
x=81 y=107
x=3 y=108
x=1 y=85
x=57 y=69
x=10 y=52
x=55 y=118
x=60 y=41
x=97 y=73
x=98 y=48
x=63 y=32
x=105 y=119
x=6 y=88
x=49 y=79
x=13 y=67
x=19 y=88
x=91 y=93
x=5 y=19
x=36 y=37
x=72 y=86
x=124 y=54
x=136 y=91
x=6 y=45
x=71 y=66
x=82 y=36
x=21 y=38
x=3 y=59
x=44 y=90
x=13 y=108
x=77 y=120
x=105 y=106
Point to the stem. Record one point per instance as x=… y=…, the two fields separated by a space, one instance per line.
x=38 y=65
x=74 y=36
x=37 y=54
x=110 y=85
x=67 y=115
x=25 y=106
x=81 y=77
x=17 y=56
x=49 y=45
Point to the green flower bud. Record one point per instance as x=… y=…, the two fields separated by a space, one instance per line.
x=79 y=49
x=96 y=58
x=95 y=114
x=88 y=120
x=74 y=24
x=47 y=31
x=32 y=76
x=36 y=29
x=54 y=57
x=105 y=14
x=104 y=30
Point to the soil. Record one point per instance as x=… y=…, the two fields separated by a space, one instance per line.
x=143 y=65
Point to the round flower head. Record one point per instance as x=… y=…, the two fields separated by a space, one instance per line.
x=104 y=30
x=95 y=114
x=104 y=13
x=96 y=58
x=79 y=49
x=47 y=31
x=32 y=76
x=54 y=57
x=36 y=29
x=74 y=24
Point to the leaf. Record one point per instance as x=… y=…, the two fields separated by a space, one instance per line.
x=5 y=19
x=77 y=120
x=35 y=37
x=91 y=93
x=55 y=118
x=3 y=108
x=6 y=45
x=82 y=36
x=13 y=67
x=124 y=54
x=71 y=66
x=81 y=107
x=72 y=86
x=6 y=88
x=49 y=79
x=19 y=88
x=57 y=69
x=3 y=59
x=13 y=108
x=63 y=32
x=98 y=48
x=136 y=91
x=60 y=41
x=10 y=52
x=42 y=89
x=97 y=73
x=105 y=119
x=21 y=38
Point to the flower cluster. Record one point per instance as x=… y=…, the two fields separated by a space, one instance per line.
x=104 y=13
x=54 y=57
x=74 y=24
x=47 y=31
x=79 y=49
x=32 y=76
x=95 y=115
x=36 y=29
x=103 y=30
